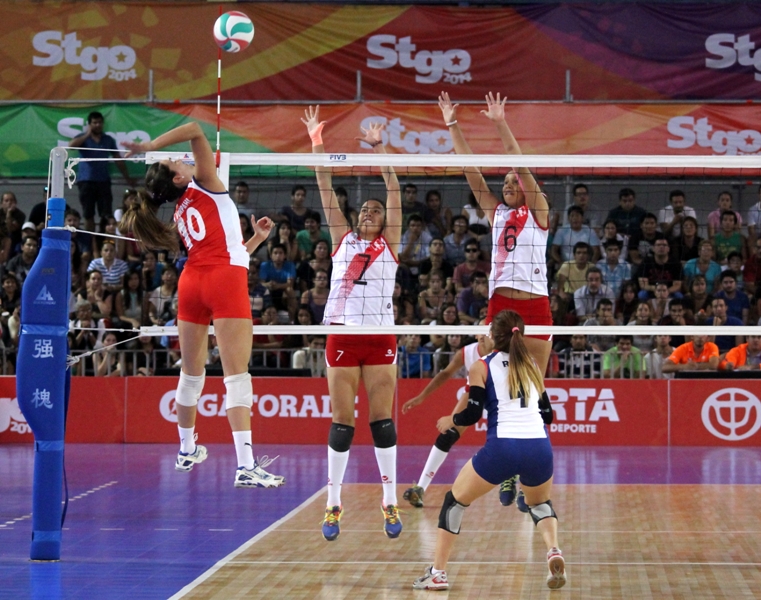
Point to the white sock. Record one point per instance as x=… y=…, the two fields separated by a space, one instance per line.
x=243 y=449
x=436 y=458
x=386 y=458
x=435 y=571
x=337 y=462
x=187 y=439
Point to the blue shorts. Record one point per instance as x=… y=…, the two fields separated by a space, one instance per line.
x=501 y=458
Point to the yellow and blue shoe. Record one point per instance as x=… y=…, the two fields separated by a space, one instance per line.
x=392 y=524
x=330 y=524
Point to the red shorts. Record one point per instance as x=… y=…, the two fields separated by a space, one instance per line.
x=213 y=293
x=359 y=350
x=534 y=311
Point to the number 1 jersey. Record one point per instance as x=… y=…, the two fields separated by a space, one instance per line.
x=362 y=282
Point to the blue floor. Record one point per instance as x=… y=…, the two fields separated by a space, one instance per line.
x=138 y=529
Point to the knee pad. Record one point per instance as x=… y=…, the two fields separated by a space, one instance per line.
x=340 y=437
x=542 y=511
x=239 y=391
x=446 y=440
x=450 y=517
x=384 y=433
x=189 y=389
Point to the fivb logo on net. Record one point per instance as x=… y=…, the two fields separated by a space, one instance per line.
x=431 y=65
x=412 y=142
x=96 y=63
x=727 y=414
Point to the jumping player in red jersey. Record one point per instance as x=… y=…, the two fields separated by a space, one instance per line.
x=207 y=221
x=362 y=284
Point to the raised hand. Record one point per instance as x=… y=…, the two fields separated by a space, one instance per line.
x=448 y=110
x=262 y=227
x=312 y=120
x=495 y=107
x=373 y=135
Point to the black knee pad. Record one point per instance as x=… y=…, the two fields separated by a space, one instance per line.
x=542 y=511
x=446 y=440
x=340 y=437
x=450 y=517
x=384 y=433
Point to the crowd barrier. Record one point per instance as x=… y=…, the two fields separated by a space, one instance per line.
x=297 y=411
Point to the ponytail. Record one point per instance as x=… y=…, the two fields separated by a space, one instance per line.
x=150 y=231
x=507 y=331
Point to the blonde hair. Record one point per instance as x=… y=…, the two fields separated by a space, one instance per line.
x=150 y=231
x=507 y=332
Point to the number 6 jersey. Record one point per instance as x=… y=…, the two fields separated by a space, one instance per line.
x=362 y=282
x=518 y=254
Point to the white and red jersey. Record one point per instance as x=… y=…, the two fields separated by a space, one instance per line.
x=470 y=356
x=209 y=225
x=518 y=253
x=361 y=283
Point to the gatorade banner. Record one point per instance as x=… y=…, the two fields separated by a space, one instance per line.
x=28 y=133
x=612 y=51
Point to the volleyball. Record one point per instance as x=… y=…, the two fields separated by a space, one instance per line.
x=233 y=31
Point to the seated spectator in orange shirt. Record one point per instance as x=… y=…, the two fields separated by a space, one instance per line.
x=697 y=355
x=743 y=357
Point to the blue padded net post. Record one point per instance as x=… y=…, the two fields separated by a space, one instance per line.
x=41 y=377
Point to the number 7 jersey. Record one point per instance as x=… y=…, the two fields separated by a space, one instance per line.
x=361 y=283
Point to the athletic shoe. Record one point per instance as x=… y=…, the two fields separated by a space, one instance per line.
x=186 y=460
x=330 y=526
x=414 y=495
x=556 y=564
x=507 y=491
x=429 y=581
x=256 y=477
x=520 y=502
x=392 y=524
x=265 y=461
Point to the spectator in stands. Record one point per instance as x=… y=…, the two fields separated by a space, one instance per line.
x=737 y=303
x=655 y=358
x=659 y=267
x=258 y=295
x=697 y=355
x=152 y=270
x=453 y=343
x=414 y=245
x=642 y=318
x=745 y=357
x=130 y=306
x=349 y=212
x=590 y=217
x=240 y=196
x=672 y=217
x=473 y=298
x=627 y=302
x=306 y=239
x=715 y=216
x=83 y=239
x=588 y=296
x=318 y=259
x=246 y=229
x=720 y=318
x=454 y=243
x=573 y=274
x=296 y=213
x=82 y=337
x=687 y=245
x=432 y=300
x=627 y=215
x=312 y=357
x=278 y=276
x=448 y=316
x=698 y=301
x=143 y=360
x=754 y=219
x=414 y=359
x=28 y=230
x=160 y=299
x=404 y=304
x=727 y=239
x=9 y=202
x=473 y=263
x=21 y=264
x=284 y=235
x=677 y=316
x=108 y=362
x=317 y=297
x=623 y=360
x=410 y=204
x=752 y=269
x=614 y=270
x=568 y=236
x=478 y=222
x=610 y=233
x=437 y=261
x=603 y=316
x=269 y=344
x=304 y=317
x=702 y=265
x=113 y=269
x=10 y=296
x=735 y=264
x=579 y=360
x=659 y=305
x=641 y=242
x=100 y=298
x=438 y=218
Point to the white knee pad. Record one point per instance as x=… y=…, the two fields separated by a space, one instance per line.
x=189 y=389
x=239 y=391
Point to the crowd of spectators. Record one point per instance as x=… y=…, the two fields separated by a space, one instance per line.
x=623 y=266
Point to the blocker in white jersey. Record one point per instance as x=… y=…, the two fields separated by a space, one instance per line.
x=362 y=282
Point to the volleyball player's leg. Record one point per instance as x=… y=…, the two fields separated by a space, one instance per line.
x=193 y=343
x=380 y=383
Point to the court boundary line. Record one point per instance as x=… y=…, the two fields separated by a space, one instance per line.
x=245 y=546
x=495 y=562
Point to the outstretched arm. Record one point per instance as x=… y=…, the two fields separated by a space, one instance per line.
x=535 y=200
x=442 y=376
x=262 y=229
x=337 y=224
x=486 y=200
